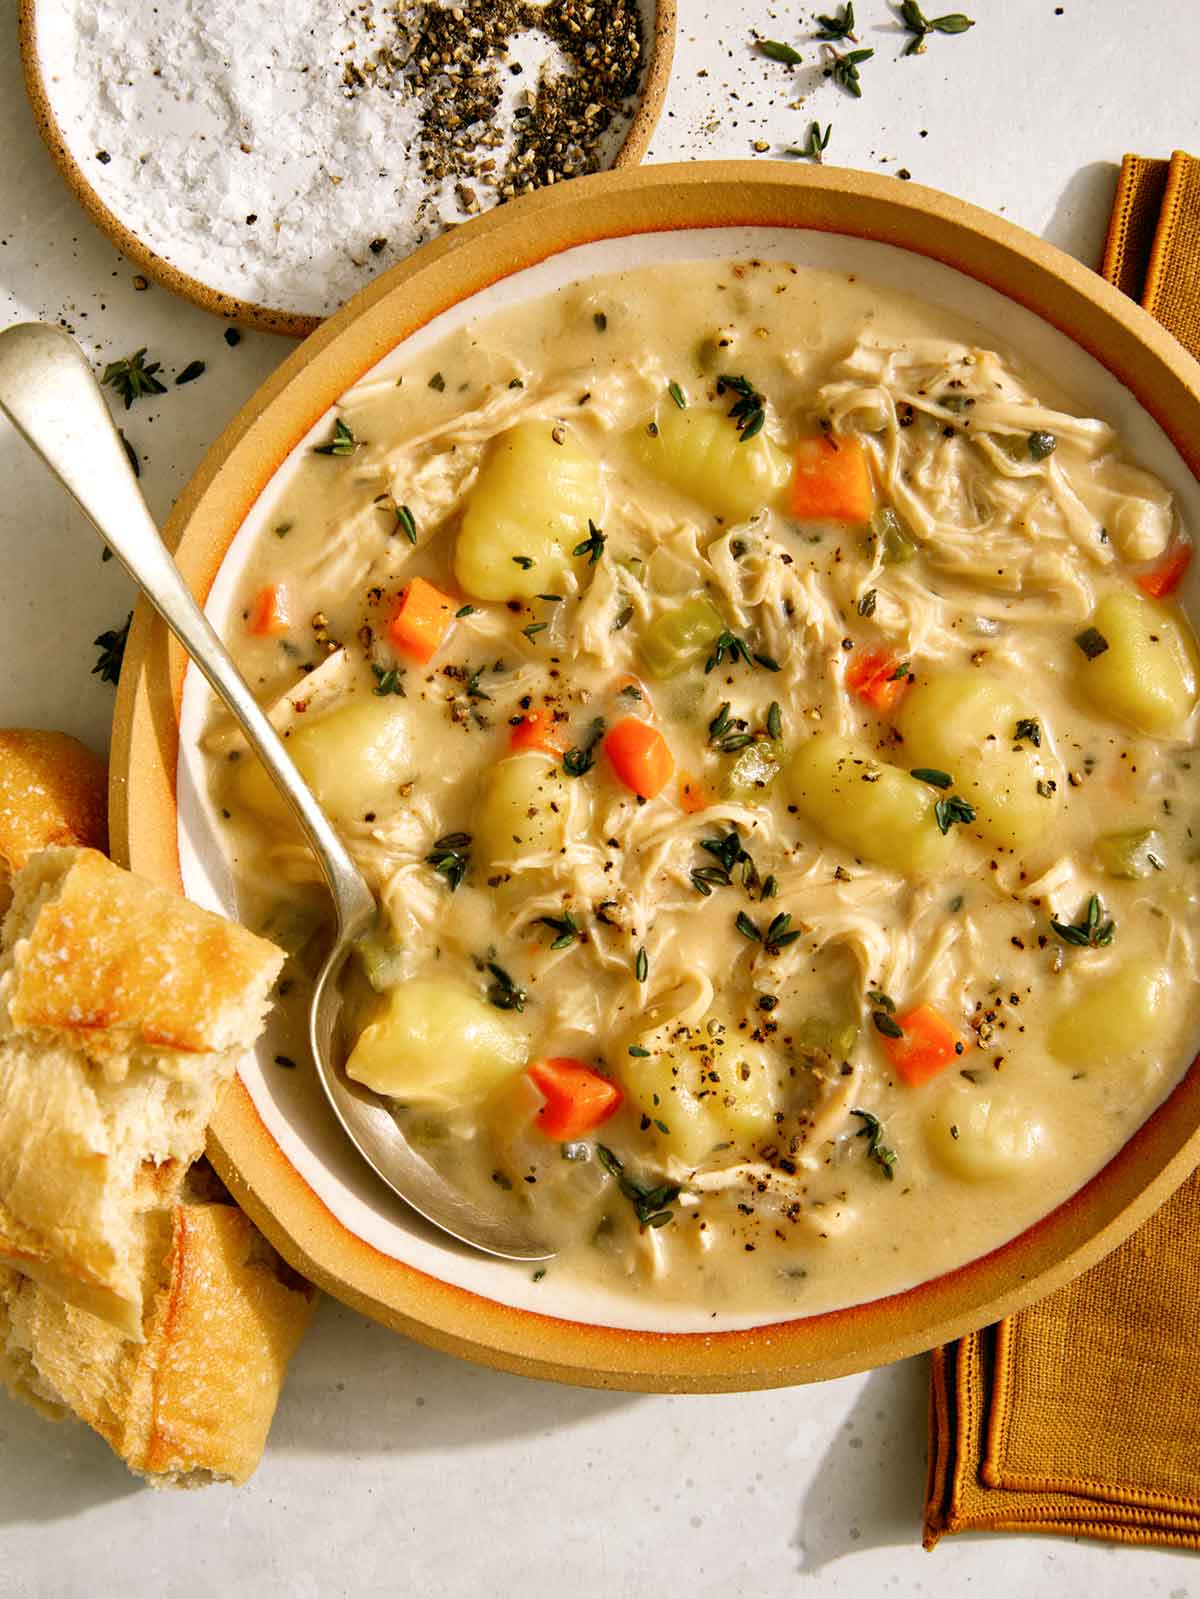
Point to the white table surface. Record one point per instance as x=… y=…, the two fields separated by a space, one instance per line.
x=392 y=1469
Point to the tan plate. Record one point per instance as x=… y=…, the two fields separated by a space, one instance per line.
x=653 y=91
x=1146 y=370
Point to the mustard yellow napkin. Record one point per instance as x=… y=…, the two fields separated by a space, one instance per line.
x=1082 y=1414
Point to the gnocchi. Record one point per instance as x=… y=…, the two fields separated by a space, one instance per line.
x=985 y=1138
x=523 y=809
x=965 y=724
x=354 y=759
x=701 y=454
x=701 y=1088
x=529 y=510
x=1137 y=663
x=871 y=808
x=436 y=1043
x=1114 y=1018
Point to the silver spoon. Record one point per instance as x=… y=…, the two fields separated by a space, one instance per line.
x=52 y=398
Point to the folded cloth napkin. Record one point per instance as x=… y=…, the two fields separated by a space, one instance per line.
x=1080 y=1415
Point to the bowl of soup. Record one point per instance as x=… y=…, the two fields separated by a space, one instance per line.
x=738 y=620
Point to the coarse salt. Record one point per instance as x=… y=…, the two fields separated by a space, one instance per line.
x=231 y=139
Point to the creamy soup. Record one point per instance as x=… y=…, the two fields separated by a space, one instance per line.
x=760 y=707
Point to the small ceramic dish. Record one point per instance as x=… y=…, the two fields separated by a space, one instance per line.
x=273 y=1140
x=160 y=241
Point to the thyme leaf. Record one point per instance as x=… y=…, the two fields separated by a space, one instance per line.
x=451 y=857
x=112 y=651
x=677 y=395
x=593 y=545
x=343 y=441
x=840 y=26
x=406 y=523
x=191 y=372
x=877 y=1150
x=566 y=927
x=749 y=409
x=579 y=760
x=1029 y=729
x=1092 y=642
x=931 y=775
x=387 y=680
x=504 y=993
x=132 y=378
x=776 y=50
x=843 y=69
x=1042 y=444
x=647 y=1199
x=916 y=23
x=1091 y=931
x=954 y=809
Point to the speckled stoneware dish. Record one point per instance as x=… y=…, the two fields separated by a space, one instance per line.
x=273 y=1141
x=45 y=44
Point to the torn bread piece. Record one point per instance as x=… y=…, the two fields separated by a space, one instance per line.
x=124 y=1010
x=192 y=1402
x=53 y=791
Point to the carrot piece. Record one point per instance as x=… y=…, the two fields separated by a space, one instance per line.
x=576 y=1098
x=269 y=611
x=421 y=620
x=535 y=731
x=640 y=756
x=1166 y=577
x=831 y=481
x=693 y=795
x=929 y=1045
x=876 y=678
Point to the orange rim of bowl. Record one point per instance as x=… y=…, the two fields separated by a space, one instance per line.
x=1093 y=1221
x=248 y=313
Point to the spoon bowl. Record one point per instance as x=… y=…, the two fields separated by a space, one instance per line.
x=50 y=394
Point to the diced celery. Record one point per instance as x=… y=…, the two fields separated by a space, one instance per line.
x=835 y=1038
x=1140 y=852
x=755 y=769
x=382 y=961
x=681 y=637
x=889 y=528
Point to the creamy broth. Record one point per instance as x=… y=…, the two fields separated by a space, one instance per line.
x=845 y=854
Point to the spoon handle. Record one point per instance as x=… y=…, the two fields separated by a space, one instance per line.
x=51 y=396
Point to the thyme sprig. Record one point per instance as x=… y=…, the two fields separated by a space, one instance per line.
x=343 y=441
x=132 y=378
x=916 y=23
x=749 y=409
x=647 y=1199
x=843 y=69
x=815 y=146
x=388 y=680
x=951 y=810
x=777 y=935
x=729 y=647
x=840 y=26
x=451 y=857
x=112 y=651
x=504 y=994
x=1091 y=931
x=566 y=927
x=593 y=545
x=877 y=1150
x=731 y=853
x=582 y=757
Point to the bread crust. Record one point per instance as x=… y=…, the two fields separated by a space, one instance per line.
x=123 y=1013
x=53 y=791
x=113 y=961
x=193 y=1402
